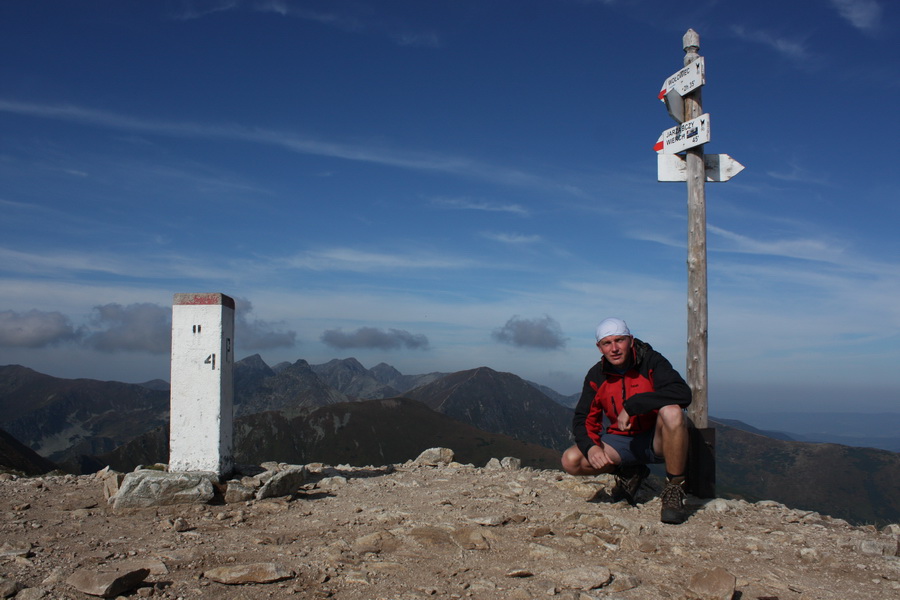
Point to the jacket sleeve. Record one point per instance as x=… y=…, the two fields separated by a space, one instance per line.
x=669 y=388
x=582 y=409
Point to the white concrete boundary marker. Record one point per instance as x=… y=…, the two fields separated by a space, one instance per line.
x=202 y=397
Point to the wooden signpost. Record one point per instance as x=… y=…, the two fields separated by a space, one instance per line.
x=682 y=94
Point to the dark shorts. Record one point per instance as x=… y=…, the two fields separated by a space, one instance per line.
x=634 y=449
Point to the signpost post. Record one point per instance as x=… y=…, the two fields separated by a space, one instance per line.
x=682 y=94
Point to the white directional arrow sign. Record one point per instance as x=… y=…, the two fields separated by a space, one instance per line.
x=687 y=135
x=678 y=84
x=719 y=167
x=686 y=80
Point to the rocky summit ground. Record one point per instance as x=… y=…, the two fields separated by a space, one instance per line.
x=417 y=531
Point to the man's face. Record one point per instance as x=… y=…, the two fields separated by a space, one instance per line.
x=616 y=348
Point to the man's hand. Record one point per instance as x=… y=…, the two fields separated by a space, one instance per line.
x=598 y=458
x=624 y=420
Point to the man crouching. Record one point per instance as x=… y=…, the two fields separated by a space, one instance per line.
x=643 y=398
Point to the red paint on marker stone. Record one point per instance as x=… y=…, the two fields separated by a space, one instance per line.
x=204 y=300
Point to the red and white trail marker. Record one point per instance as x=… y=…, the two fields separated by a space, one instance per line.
x=687 y=135
x=678 y=84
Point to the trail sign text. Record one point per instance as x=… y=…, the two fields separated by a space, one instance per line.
x=687 y=135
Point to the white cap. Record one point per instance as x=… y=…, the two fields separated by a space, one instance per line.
x=612 y=326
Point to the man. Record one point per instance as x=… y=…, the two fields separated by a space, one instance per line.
x=642 y=397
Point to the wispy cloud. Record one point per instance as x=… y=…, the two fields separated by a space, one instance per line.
x=819 y=249
x=822 y=249
x=169 y=266
x=196 y=9
x=792 y=49
x=428 y=39
x=50 y=262
x=343 y=21
x=353 y=18
x=512 y=238
x=798 y=248
x=467 y=204
x=68 y=264
x=864 y=15
x=349 y=259
x=374 y=154
x=798 y=174
x=9 y=205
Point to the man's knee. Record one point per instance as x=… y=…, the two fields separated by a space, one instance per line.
x=672 y=417
x=571 y=460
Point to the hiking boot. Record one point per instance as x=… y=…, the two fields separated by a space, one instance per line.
x=628 y=480
x=672 y=498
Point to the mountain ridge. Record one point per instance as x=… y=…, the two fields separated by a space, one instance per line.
x=493 y=403
x=501 y=403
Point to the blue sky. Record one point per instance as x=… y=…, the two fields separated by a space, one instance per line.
x=444 y=185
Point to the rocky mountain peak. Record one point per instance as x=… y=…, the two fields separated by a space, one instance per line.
x=350 y=365
x=432 y=528
x=339 y=373
x=254 y=362
x=349 y=377
x=500 y=403
x=292 y=388
x=385 y=373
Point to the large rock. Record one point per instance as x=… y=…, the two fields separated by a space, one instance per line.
x=283 y=483
x=9 y=587
x=236 y=491
x=253 y=573
x=106 y=584
x=714 y=584
x=584 y=578
x=112 y=481
x=435 y=457
x=144 y=488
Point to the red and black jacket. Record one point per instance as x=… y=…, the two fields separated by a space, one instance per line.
x=649 y=384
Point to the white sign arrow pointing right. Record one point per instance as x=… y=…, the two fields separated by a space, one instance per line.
x=719 y=167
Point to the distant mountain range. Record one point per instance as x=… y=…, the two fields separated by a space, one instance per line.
x=865 y=430
x=341 y=412
x=861 y=485
x=63 y=418
x=17 y=457
x=67 y=419
x=374 y=432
